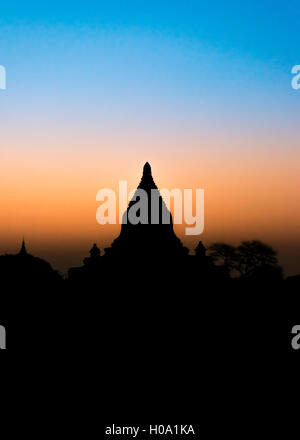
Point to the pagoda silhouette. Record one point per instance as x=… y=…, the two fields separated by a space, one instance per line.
x=148 y=240
x=26 y=268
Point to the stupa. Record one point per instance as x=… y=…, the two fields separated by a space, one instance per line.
x=151 y=240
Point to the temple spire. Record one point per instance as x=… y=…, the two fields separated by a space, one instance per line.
x=150 y=239
x=147 y=181
x=23 y=250
x=147 y=170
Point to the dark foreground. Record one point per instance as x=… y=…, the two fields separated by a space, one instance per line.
x=144 y=342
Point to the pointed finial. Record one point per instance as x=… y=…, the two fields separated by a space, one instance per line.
x=200 y=250
x=95 y=251
x=23 y=250
x=147 y=169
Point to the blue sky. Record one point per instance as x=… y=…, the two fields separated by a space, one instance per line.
x=162 y=62
x=189 y=84
x=268 y=29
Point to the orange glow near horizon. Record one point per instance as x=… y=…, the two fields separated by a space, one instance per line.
x=49 y=195
x=95 y=92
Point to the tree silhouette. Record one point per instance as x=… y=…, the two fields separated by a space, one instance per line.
x=223 y=254
x=248 y=257
x=254 y=254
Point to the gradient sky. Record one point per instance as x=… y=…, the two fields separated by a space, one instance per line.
x=201 y=90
